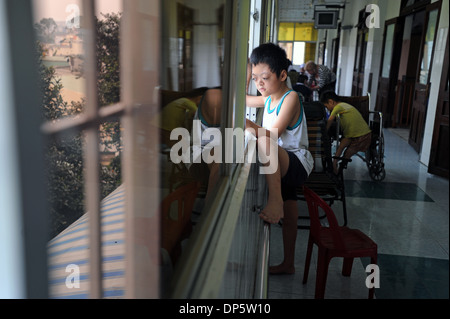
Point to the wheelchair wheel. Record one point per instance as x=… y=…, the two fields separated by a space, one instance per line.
x=375 y=160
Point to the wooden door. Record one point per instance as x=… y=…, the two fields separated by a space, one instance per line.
x=439 y=160
x=422 y=86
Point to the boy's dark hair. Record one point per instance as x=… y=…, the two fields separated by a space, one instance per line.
x=329 y=95
x=302 y=78
x=272 y=55
x=196 y=92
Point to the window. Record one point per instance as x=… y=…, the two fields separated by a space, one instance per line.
x=299 y=41
x=99 y=140
x=124 y=170
x=112 y=249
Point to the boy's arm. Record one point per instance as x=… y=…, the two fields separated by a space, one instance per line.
x=331 y=120
x=259 y=131
x=255 y=101
x=336 y=110
x=251 y=125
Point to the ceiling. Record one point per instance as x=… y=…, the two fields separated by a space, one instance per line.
x=302 y=10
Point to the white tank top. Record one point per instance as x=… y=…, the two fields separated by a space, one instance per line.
x=294 y=139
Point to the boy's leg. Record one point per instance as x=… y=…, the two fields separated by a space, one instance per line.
x=273 y=211
x=289 y=239
x=359 y=144
x=345 y=142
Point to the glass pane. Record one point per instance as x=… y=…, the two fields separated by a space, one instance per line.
x=428 y=47
x=191 y=102
x=110 y=134
x=109 y=15
x=389 y=43
x=60 y=49
x=305 y=32
x=287 y=46
x=64 y=174
x=60 y=34
x=310 y=51
x=61 y=55
x=69 y=233
x=299 y=53
x=286 y=32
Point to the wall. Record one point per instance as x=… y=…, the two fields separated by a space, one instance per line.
x=346 y=60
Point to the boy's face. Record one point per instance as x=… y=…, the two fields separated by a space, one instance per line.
x=330 y=104
x=265 y=80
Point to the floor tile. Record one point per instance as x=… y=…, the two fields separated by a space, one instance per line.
x=387 y=190
x=406 y=277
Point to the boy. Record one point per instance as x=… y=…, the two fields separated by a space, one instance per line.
x=284 y=118
x=356 y=132
x=302 y=88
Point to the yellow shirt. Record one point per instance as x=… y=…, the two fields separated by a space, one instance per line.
x=352 y=123
x=176 y=114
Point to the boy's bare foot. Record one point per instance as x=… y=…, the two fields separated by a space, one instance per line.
x=282 y=270
x=273 y=212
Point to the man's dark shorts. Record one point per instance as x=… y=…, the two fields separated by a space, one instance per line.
x=294 y=178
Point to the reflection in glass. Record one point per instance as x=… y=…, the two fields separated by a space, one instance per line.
x=61 y=54
x=428 y=47
x=64 y=173
x=61 y=59
x=388 y=51
x=191 y=102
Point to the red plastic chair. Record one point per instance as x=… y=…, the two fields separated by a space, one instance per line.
x=175 y=230
x=333 y=241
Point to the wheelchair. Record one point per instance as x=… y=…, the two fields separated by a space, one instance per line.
x=374 y=156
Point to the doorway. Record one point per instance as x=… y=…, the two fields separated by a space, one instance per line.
x=412 y=43
x=389 y=71
x=422 y=78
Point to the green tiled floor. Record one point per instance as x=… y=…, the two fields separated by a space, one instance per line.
x=406 y=215
x=406 y=277
x=384 y=190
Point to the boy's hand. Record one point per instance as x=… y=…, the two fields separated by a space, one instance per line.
x=249 y=125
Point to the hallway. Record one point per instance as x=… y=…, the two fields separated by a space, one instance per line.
x=406 y=215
